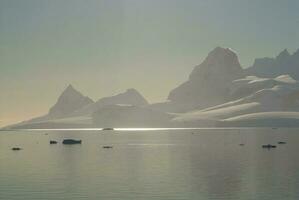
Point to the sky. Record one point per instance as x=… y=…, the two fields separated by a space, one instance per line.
x=103 y=47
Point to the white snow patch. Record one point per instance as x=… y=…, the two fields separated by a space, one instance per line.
x=265 y=115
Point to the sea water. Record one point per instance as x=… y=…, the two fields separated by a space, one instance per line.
x=150 y=164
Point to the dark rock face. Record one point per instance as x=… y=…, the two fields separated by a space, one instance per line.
x=268 y=146
x=209 y=82
x=284 y=63
x=69 y=101
x=71 y=141
x=107 y=147
x=16 y=148
x=281 y=142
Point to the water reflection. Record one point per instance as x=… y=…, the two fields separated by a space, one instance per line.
x=168 y=164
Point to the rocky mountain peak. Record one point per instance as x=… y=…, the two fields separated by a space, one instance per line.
x=69 y=88
x=283 y=56
x=208 y=83
x=284 y=63
x=222 y=53
x=219 y=62
x=69 y=101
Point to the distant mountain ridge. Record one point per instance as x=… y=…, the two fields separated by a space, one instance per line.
x=129 y=97
x=284 y=63
x=71 y=104
x=219 y=92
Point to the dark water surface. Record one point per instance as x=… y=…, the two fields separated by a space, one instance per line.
x=160 y=165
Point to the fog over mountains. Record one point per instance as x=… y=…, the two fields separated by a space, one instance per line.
x=219 y=92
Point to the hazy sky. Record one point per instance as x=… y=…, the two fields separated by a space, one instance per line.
x=103 y=47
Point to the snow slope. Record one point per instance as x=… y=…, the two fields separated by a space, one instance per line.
x=282 y=97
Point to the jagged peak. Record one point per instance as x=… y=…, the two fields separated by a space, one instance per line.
x=209 y=82
x=224 y=59
x=285 y=51
x=69 y=87
x=69 y=101
x=283 y=55
x=71 y=90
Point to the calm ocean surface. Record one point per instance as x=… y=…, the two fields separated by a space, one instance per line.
x=160 y=165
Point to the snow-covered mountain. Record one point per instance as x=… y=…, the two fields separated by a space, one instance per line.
x=72 y=109
x=217 y=93
x=259 y=95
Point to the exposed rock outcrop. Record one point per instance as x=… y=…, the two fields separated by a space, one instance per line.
x=284 y=63
x=209 y=82
x=69 y=101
